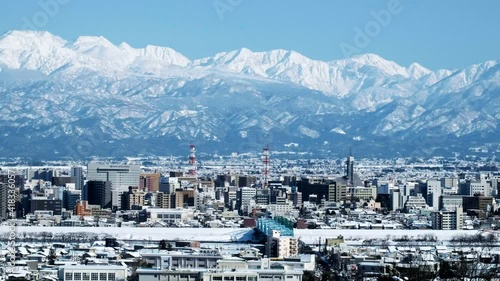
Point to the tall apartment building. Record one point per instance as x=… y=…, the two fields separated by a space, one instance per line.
x=282 y=246
x=448 y=220
x=132 y=199
x=165 y=200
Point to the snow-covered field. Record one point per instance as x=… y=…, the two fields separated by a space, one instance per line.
x=311 y=236
x=239 y=234
x=181 y=234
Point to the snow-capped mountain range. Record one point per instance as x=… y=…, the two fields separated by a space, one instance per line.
x=91 y=97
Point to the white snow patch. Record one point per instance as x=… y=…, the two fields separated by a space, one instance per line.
x=309 y=132
x=338 y=131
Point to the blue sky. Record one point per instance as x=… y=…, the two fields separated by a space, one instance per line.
x=437 y=34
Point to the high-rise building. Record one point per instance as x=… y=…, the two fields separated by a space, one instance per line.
x=70 y=197
x=245 y=195
x=246 y=181
x=263 y=196
x=169 y=184
x=3 y=201
x=396 y=200
x=434 y=191
x=18 y=181
x=121 y=177
x=312 y=186
x=281 y=246
x=150 y=182
x=495 y=186
x=350 y=170
x=184 y=198
x=336 y=191
x=77 y=174
x=481 y=187
x=448 y=220
x=165 y=200
x=297 y=199
x=133 y=199
x=99 y=193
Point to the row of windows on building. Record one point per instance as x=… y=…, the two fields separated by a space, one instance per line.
x=249 y=278
x=165 y=216
x=85 y=276
x=231 y=278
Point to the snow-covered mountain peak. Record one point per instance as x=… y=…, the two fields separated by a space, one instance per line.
x=417 y=71
x=29 y=40
x=388 y=67
x=33 y=50
x=95 y=90
x=125 y=46
x=85 y=43
x=164 y=54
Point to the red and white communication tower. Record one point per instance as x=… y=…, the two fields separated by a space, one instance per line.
x=265 y=172
x=192 y=160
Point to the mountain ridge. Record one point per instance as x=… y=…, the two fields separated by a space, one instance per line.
x=91 y=89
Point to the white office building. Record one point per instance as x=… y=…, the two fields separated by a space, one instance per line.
x=121 y=177
x=434 y=191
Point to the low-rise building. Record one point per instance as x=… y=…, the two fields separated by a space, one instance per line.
x=93 y=273
x=170 y=216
